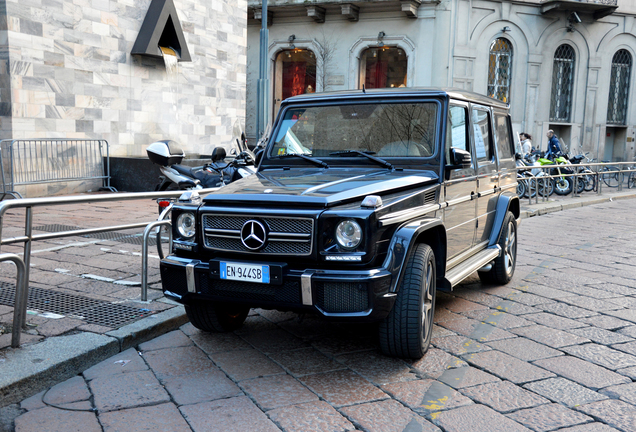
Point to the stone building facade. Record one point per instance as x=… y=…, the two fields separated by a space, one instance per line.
x=66 y=71
x=566 y=65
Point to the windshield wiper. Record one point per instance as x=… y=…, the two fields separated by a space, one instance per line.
x=307 y=158
x=365 y=154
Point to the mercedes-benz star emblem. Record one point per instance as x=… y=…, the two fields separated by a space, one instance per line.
x=253 y=235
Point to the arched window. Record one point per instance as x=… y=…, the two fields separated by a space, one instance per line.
x=562 y=83
x=294 y=74
x=500 y=69
x=619 y=87
x=382 y=67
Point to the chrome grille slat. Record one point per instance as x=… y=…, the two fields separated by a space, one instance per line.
x=287 y=235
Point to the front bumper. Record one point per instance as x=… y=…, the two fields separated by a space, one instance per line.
x=362 y=295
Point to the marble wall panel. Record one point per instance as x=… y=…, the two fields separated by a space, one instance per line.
x=70 y=62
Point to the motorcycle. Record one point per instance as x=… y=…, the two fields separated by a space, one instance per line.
x=169 y=155
x=563 y=184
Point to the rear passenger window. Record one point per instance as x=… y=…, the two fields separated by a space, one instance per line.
x=456 y=129
x=504 y=141
x=481 y=129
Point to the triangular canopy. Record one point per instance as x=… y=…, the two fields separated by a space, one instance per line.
x=161 y=28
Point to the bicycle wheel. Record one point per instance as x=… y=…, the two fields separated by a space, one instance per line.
x=610 y=178
x=631 y=180
x=590 y=182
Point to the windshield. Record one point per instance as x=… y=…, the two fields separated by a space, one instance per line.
x=384 y=130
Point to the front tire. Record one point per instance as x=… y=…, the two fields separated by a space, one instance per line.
x=563 y=185
x=406 y=331
x=216 y=317
x=503 y=268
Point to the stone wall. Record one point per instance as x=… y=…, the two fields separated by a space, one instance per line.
x=66 y=72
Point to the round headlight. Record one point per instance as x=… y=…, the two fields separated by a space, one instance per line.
x=186 y=225
x=348 y=234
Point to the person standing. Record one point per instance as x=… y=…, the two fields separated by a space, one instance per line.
x=554 y=147
x=526 y=143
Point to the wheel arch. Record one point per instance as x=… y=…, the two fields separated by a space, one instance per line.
x=507 y=202
x=428 y=230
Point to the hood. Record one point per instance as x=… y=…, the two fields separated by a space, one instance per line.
x=318 y=187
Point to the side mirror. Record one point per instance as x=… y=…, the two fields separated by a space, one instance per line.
x=218 y=154
x=460 y=158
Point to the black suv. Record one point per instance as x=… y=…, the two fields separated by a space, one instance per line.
x=363 y=205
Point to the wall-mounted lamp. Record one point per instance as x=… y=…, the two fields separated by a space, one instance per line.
x=291 y=40
x=380 y=38
x=505 y=29
x=573 y=18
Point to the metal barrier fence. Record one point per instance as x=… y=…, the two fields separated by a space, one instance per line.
x=37 y=161
x=612 y=174
x=19 y=308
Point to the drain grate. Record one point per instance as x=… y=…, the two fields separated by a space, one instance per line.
x=135 y=239
x=62 y=303
x=113 y=315
x=90 y=310
x=7 y=293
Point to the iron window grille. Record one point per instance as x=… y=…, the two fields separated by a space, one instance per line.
x=500 y=69
x=619 y=88
x=562 y=83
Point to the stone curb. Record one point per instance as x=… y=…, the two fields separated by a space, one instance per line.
x=28 y=370
x=551 y=207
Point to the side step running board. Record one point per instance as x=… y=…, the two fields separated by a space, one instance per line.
x=472 y=264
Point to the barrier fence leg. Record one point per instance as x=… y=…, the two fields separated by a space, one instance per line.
x=20 y=304
x=28 y=232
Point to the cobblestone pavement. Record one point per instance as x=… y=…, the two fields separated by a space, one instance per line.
x=553 y=350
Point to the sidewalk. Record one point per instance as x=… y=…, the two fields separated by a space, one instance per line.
x=85 y=292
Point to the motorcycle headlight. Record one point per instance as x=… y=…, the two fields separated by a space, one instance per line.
x=186 y=225
x=348 y=234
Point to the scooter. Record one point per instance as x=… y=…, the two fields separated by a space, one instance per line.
x=168 y=155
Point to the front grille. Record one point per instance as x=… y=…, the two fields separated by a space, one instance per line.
x=288 y=292
x=286 y=235
x=342 y=296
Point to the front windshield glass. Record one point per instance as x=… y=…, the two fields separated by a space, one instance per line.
x=384 y=130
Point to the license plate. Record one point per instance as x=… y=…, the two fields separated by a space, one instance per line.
x=244 y=272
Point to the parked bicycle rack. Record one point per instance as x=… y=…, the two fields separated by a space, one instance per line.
x=21 y=296
x=617 y=168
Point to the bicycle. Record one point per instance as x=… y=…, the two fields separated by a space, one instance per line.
x=631 y=177
x=610 y=175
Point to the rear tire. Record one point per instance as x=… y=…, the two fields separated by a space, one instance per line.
x=590 y=182
x=546 y=186
x=406 y=331
x=522 y=188
x=216 y=317
x=503 y=268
